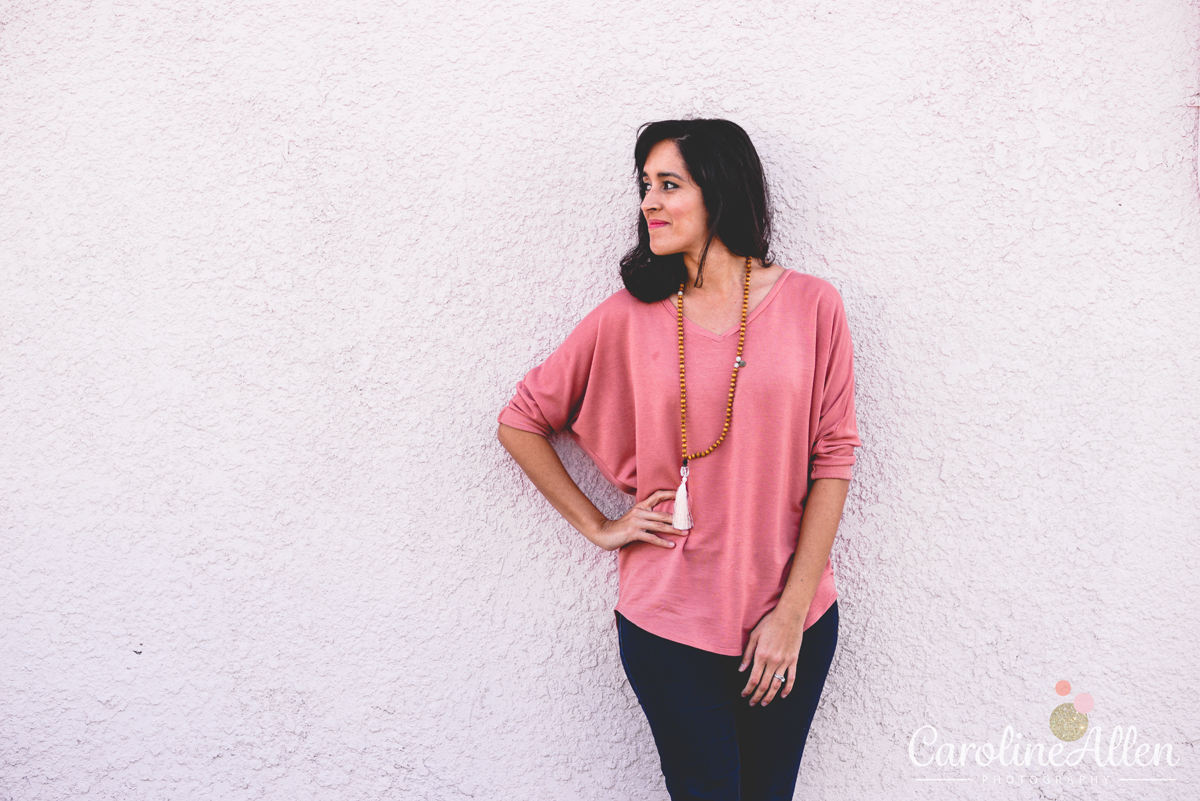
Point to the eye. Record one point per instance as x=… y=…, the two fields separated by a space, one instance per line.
x=670 y=185
x=645 y=187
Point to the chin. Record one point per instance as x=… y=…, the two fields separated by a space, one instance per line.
x=661 y=249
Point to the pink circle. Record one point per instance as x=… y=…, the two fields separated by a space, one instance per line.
x=1084 y=703
x=1063 y=687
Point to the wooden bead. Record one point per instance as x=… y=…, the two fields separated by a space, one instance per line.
x=732 y=380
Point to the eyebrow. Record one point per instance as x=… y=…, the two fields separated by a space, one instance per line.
x=665 y=175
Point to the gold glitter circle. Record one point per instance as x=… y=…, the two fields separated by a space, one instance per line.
x=1067 y=724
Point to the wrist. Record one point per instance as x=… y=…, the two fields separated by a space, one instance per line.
x=593 y=528
x=792 y=609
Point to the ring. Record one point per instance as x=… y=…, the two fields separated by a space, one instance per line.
x=781 y=678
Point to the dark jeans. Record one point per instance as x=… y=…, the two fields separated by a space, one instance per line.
x=711 y=743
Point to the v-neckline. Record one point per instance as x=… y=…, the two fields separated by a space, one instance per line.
x=668 y=305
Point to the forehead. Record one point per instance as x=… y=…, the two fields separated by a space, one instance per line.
x=664 y=157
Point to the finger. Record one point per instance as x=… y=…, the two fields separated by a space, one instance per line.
x=656 y=521
x=762 y=682
x=652 y=525
x=655 y=498
x=791 y=679
x=661 y=517
x=774 y=685
x=767 y=684
x=756 y=674
x=645 y=536
x=751 y=646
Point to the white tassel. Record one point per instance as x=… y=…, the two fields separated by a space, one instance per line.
x=683 y=518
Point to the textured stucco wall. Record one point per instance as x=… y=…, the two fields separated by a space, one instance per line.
x=270 y=270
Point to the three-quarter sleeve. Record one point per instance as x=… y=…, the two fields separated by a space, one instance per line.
x=836 y=434
x=548 y=398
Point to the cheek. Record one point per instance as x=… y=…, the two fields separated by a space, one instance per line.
x=688 y=214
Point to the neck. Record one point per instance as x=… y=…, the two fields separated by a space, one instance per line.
x=723 y=272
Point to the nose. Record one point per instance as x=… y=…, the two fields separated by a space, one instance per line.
x=650 y=201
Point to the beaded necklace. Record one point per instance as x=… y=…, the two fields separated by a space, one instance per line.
x=683 y=518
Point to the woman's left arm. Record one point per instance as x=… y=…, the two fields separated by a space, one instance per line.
x=774 y=644
x=818 y=527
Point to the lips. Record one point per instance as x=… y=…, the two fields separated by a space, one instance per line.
x=655 y=224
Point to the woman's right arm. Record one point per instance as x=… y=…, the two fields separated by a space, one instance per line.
x=534 y=454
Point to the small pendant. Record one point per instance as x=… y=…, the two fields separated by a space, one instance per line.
x=739 y=363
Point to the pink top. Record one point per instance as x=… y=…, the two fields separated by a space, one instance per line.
x=613 y=384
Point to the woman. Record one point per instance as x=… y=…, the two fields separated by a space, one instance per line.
x=727 y=614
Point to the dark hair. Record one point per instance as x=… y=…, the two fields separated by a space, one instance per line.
x=724 y=164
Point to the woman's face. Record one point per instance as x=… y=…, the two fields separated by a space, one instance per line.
x=673 y=205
